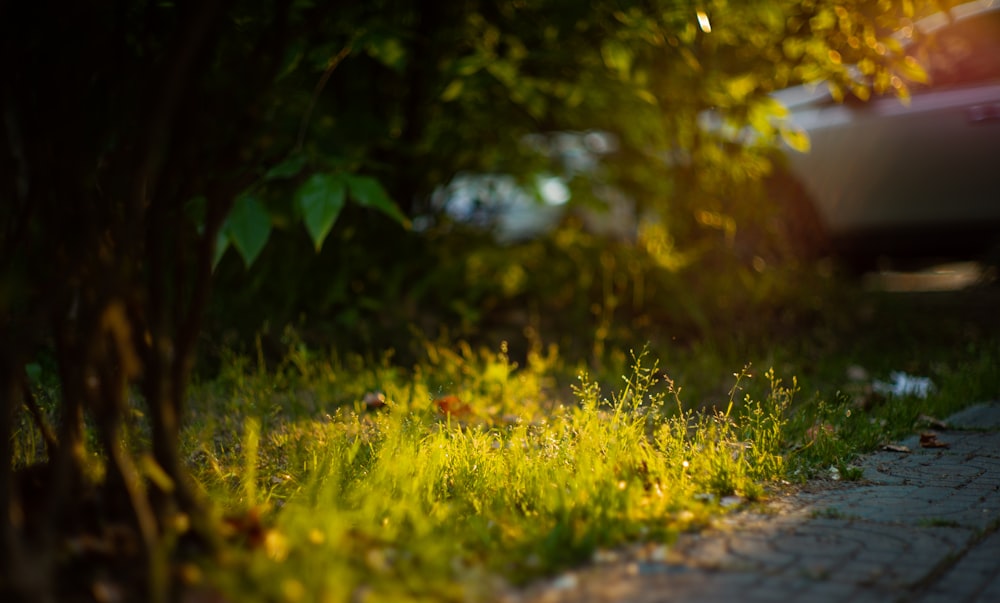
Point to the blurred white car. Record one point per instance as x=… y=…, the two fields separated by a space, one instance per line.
x=890 y=178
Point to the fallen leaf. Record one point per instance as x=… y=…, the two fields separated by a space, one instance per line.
x=452 y=405
x=896 y=448
x=929 y=439
x=373 y=400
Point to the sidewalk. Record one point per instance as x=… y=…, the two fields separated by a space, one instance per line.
x=922 y=526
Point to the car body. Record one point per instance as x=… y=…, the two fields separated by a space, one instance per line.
x=918 y=177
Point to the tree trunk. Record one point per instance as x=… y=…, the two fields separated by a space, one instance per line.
x=10 y=505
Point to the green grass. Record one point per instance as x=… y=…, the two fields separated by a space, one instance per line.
x=539 y=465
x=409 y=503
x=527 y=477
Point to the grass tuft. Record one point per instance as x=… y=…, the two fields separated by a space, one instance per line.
x=418 y=499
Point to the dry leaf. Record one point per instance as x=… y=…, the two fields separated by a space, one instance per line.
x=896 y=448
x=929 y=439
x=373 y=400
x=452 y=405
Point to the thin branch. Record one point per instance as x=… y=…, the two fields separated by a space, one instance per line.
x=330 y=66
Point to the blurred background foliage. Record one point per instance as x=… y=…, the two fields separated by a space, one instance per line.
x=674 y=226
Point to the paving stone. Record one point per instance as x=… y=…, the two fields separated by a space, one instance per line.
x=980 y=416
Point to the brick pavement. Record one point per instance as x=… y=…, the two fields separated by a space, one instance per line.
x=922 y=526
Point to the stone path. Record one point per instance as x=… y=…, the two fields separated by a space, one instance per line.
x=922 y=526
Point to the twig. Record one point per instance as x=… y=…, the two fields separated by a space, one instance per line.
x=330 y=66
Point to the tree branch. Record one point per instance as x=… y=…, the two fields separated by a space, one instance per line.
x=331 y=65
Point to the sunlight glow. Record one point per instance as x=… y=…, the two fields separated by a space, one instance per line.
x=703 y=22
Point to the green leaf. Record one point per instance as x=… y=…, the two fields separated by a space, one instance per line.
x=221 y=244
x=836 y=91
x=288 y=168
x=646 y=96
x=320 y=198
x=772 y=16
x=617 y=57
x=823 y=21
x=505 y=72
x=249 y=227
x=387 y=50
x=882 y=82
x=739 y=88
x=293 y=57
x=796 y=138
x=763 y=113
x=793 y=48
x=453 y=90
x=912 y=70
x=893 y=45
x=367 y=192
x=469 y=65
x=34 y=372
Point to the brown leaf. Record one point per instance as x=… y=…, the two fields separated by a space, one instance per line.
x=374 y=400
x=452 y=405
x=929 y=439
x=896 y=448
